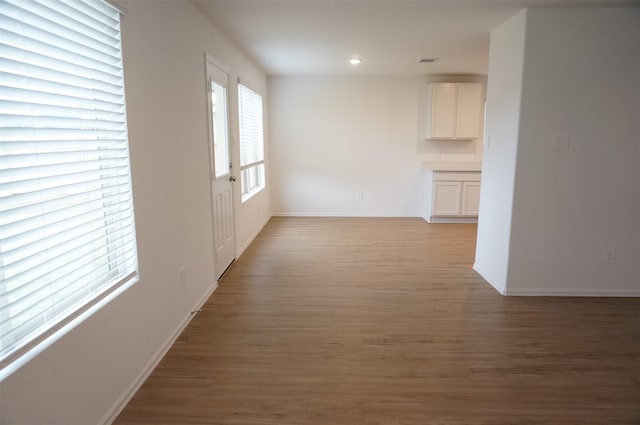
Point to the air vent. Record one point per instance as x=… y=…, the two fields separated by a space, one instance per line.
x=427 y=60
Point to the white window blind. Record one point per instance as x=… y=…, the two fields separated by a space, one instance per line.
x=251 y=141
x=67 y=235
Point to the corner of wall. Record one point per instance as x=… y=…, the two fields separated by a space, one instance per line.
x=504 y=88
x=568 y=206
x=495 y=283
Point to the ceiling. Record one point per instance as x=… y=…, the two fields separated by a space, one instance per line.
x=303 y=37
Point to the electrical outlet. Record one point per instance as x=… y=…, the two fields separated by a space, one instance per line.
x=182 y=277
x=609 y=255
x=359 y=196
x=486 y=143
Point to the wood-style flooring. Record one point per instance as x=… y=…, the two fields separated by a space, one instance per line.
x=347 y=321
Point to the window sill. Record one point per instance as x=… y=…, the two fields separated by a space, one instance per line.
x=249 y=195
x=37 y=349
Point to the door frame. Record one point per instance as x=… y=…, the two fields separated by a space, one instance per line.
x=211 y=61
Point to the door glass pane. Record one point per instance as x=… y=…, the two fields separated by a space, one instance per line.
x=220 y=130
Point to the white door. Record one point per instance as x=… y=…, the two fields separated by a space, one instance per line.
x=220 y=161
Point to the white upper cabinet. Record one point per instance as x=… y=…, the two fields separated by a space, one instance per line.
x=468 y=111
x=443 y=111
x=455 y=111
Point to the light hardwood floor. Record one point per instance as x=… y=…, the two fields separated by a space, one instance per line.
x=351 y=321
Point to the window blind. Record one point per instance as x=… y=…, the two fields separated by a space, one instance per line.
x=251 y=127
x=67 y=235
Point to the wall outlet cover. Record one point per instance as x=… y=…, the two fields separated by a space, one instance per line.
x=609 y=255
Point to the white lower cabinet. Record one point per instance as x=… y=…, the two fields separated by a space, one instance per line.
x=453 y=196
x=470 y=199
x=446 y=198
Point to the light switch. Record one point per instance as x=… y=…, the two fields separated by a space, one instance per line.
x=486 y=143
x=560 y=142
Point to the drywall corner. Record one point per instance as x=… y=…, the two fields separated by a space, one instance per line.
x=506 y=59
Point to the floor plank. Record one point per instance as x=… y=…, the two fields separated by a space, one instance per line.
x=383 y=321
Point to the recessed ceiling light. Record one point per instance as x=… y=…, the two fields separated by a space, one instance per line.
x=355 y=61
x=427 y=60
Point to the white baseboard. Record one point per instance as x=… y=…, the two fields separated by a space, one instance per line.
x=555 y=292
x=573 y=292
x=128 y=394
x=489 y=279
x=252 y=237
x=452 y=220
x=342 y=214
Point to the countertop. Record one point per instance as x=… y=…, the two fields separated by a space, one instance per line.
x=453 y=165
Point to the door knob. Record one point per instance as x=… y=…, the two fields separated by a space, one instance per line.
x=232 y=178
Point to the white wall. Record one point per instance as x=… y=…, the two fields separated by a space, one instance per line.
x=581 y=78
x=499 y=161
x=83 y=377
x=332 y=137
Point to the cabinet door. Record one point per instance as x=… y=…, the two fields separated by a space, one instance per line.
x=443 y=111
x=470 y=199
x=446 y=198
x=469 y=111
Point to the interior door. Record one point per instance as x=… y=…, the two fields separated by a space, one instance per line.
x=221 y=169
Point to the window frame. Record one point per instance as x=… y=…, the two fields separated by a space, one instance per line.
x=113 y=263
x=252 y=170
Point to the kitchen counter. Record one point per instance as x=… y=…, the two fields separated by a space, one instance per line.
x=453 y=165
